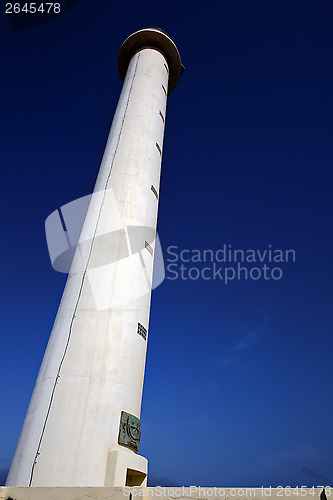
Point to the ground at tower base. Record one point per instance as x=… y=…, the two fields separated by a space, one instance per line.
x=168 y=493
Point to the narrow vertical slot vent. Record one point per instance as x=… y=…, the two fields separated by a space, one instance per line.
x=149 y=248
x=166 y=67
x=161 y=115
x=142 y=331
x=158 y=148
x=164 y=90
x=154 y=191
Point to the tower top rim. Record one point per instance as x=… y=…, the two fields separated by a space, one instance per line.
x=153 y=38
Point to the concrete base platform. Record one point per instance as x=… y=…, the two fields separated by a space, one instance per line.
x=167 y=492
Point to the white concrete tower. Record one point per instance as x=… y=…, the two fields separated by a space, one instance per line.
x=82 y=426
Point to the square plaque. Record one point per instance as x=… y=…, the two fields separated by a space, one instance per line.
x=129 y=431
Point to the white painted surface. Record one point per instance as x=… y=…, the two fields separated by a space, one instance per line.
x=73 y=420
x=119 y=461
x=167 y=493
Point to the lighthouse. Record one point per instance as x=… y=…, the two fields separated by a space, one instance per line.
x=82 y=426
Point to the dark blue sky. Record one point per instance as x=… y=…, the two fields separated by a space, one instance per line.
x=238 y=387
